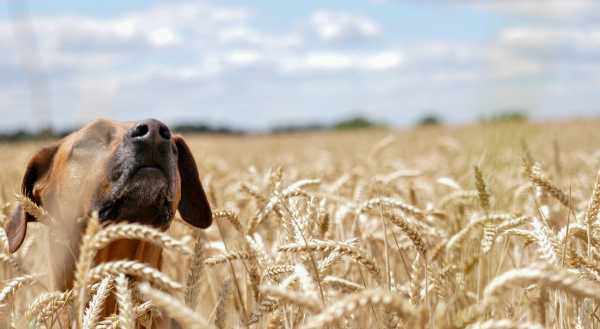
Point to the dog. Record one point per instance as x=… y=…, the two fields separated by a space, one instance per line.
x=126 y=172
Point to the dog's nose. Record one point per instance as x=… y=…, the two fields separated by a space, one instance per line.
x=150 y=130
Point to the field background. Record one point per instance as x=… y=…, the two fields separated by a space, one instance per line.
x=427 y=176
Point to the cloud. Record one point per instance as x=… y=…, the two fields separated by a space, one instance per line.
x=342 y=27
x=206 y=62
x=544 y=10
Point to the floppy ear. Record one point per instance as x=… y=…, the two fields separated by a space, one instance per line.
x=193 y=206
x=38 y=166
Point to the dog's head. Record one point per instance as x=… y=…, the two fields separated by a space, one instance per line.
x=134 y=172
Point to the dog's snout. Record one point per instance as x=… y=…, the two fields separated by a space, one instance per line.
x=150 y=130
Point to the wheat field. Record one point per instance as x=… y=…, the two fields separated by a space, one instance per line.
x=485 y=226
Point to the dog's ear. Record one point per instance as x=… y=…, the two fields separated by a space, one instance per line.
x=39 y=165
x=193 y=206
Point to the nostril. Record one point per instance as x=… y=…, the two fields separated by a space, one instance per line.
x=164 y=132
x=139 y=130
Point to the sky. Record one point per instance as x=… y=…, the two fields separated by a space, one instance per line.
x=256 y=65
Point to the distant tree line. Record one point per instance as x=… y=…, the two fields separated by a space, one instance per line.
x=356 y=122
x=352 y=123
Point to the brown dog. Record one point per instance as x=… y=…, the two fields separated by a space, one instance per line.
x=127 y=172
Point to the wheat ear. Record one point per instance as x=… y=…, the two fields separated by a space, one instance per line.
x=8 y=259
x=86 y=254
x=391 y=203
x=174 y=308
x=92 y=313
x=196 y=269
x=109 y=322
x=138 y=232
x=333 y=314
x=584 y=314
x=415 y=281
x=344 y=248
x=311 y=303
x=224 y=296
x=278 y=269
x=484 y=197
x=551 y=188
x=410 y=231
x=124 y=302
x=43 y=217
x=38 y=305
x=133 y=268
x=54 y=305
x=227 y=257
x=231 y=216
x=505 y=324
x=12 y=287
x=341 y=284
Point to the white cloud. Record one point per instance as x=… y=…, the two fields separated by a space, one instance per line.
x=162 y=36
x=201 y=61
x=342 y=27
x=544 y=10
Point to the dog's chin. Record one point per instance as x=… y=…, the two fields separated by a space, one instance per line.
x=145 y=199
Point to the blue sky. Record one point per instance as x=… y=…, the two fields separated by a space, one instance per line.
x=260 y=64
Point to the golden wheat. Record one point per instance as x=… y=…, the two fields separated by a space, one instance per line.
x=491 y=252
